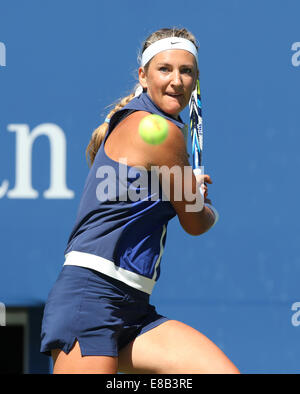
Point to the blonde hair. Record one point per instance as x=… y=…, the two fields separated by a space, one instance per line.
x=100 y=132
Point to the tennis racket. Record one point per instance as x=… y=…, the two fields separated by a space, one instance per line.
x=196 y=128
x=195 y=106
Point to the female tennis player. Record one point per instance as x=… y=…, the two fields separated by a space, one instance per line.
x=98 y=318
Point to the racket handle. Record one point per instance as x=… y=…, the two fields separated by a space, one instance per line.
x=198 y=171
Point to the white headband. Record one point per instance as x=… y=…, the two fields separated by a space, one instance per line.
x=166 y=44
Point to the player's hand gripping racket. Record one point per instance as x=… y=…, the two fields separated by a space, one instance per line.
x=197 y=138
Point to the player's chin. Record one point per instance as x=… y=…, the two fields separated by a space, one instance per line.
x=174 y=106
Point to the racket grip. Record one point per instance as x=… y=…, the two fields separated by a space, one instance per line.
x=214 y=211
x=198 y=171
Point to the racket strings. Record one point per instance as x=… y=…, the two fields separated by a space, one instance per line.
x=195 y=107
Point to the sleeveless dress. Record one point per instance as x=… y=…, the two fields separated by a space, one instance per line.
x=113 y=256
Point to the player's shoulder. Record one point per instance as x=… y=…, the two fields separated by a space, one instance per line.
x=133 y=120
x=170 y=152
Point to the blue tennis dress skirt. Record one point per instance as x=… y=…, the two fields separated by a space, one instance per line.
x=102 y=313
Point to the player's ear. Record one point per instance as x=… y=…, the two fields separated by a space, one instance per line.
x=143 y=78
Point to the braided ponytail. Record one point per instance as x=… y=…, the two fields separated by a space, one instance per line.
x=100 y=132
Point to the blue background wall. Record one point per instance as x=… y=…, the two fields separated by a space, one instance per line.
x=66 y=61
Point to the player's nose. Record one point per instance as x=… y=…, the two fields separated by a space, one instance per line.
x=176 y=78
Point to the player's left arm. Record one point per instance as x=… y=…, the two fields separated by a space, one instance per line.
x=195 y=217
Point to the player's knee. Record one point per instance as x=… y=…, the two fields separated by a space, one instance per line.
x=178 y=365
x=226 y=368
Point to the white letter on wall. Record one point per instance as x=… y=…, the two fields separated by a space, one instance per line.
x=24 y=142
x=2 y=54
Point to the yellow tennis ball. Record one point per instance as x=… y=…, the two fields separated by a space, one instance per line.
x=153 y=129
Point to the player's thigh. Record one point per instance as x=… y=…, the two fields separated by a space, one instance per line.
x=174 y=347
x=75 y=363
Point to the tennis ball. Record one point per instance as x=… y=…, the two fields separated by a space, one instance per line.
x=153 y=129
